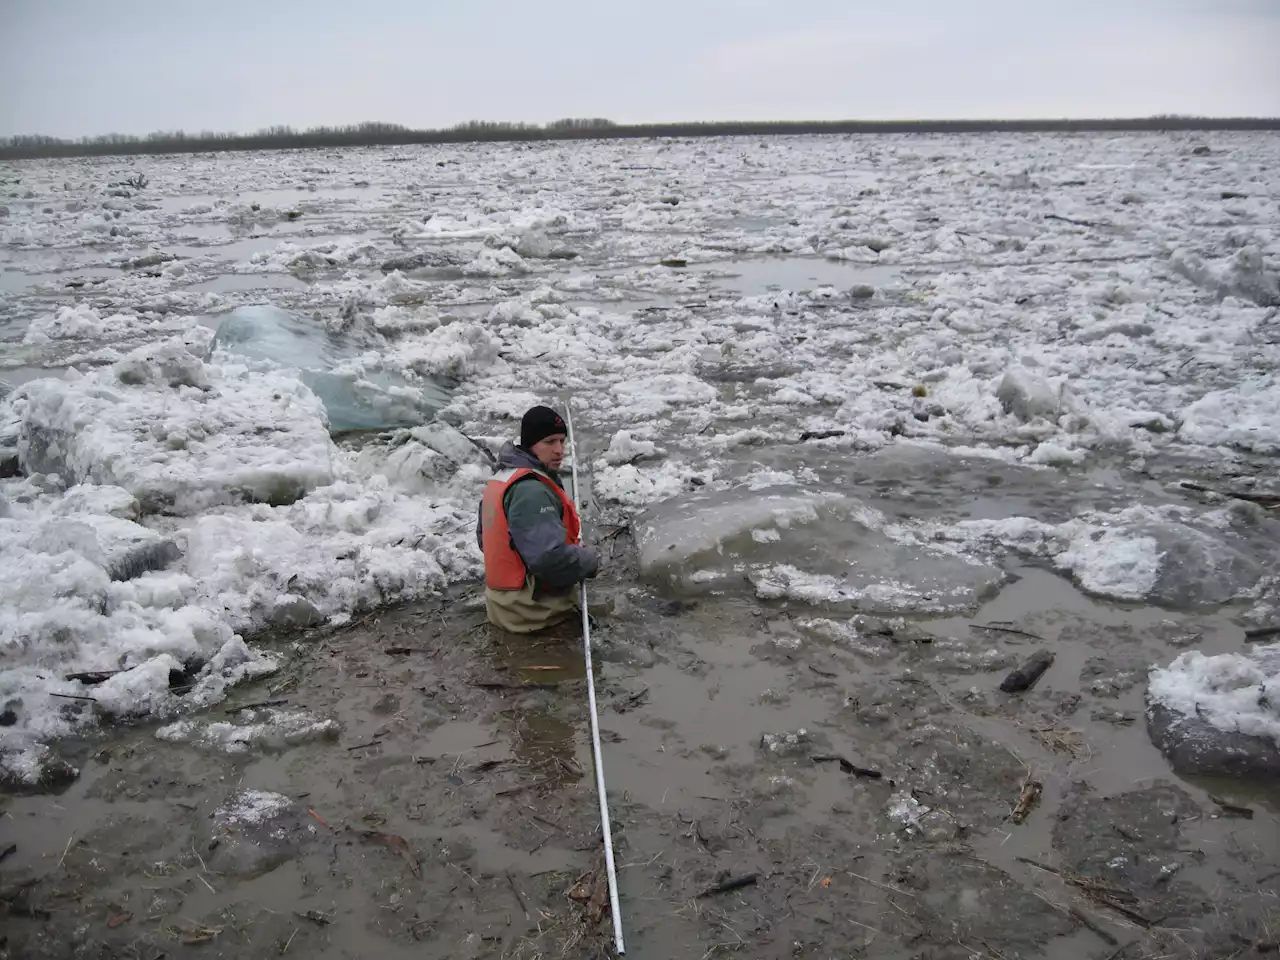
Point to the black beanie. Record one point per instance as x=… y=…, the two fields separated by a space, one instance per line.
x=538 y=423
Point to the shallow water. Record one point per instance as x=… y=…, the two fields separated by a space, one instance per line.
x=492 y=787
x=15 y=281
x=234 y=282
x=16 y=376
x=752 y=277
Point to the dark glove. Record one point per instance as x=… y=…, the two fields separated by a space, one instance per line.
x=592 y=566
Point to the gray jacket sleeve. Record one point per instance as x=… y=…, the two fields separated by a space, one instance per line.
x=537 y=532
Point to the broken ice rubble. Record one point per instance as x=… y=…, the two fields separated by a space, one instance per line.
x=178 y=434
x=171 y=501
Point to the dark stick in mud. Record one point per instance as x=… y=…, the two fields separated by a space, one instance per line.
x=849 y=767
x=1038 y=865
x=616 y=532
x=519 y=898
x=1261 y=633
x=1026 y=800
x=748 y=880
x=499 y=685
x=993 y=628
x=1134 y=915
x=1025 y=676
x=1093 y=925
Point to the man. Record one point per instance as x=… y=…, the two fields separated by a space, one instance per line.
x=529 y=531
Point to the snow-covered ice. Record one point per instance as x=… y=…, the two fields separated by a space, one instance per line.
x=1233 y=692
x=1246 y=418
x=1218 y=715
x=1136 y=553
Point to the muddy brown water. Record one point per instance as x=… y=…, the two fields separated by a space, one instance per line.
x=473 y=746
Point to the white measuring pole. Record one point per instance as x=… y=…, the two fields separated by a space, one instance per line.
x=595 y=720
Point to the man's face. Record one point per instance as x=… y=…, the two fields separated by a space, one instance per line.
x=550 y=452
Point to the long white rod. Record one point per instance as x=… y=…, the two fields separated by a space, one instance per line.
x=595 y=720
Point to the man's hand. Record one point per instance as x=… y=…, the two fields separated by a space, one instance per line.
x=593 y=562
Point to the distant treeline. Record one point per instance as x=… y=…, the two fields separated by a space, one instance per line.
x=390 y=134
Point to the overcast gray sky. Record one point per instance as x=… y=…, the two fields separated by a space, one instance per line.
x=74 y=67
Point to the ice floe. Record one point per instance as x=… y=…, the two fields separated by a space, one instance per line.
x=1218 y=715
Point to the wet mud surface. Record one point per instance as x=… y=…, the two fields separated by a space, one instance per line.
x=884 y=796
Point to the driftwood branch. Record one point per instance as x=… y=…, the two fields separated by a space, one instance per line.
x=734 y=884
x=1078 y=223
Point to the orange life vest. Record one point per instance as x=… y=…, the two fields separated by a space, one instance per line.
x=503 y=567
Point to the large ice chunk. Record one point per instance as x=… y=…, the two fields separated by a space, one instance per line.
x=354 y=397
x=256 y=832
x=536 y=245
x=1198 y=569
x=1168 y=563
x=815 y=548
x=1138 y=553
x=1218 y=715
x=452 y=443
x=179 y=434
x=1111 y=563
x=1028 y=396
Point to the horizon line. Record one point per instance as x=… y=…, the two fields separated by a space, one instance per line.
x=604 y=123
x=381 y=133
